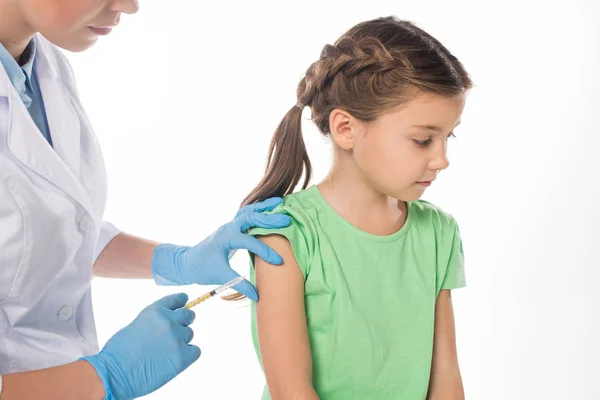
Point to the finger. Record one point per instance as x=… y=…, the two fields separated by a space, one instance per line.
x=190 y=355
x=187 y=334
x=186 y=356
x=267 y=205
x=244 y=287
x=251 y=220
x=184 y=316
x=247 y=289
x=257 y=247
x=173 y=301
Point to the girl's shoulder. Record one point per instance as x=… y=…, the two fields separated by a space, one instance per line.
x=425 y=212
x=305 y=199
x=303 y=230
x=303 y=206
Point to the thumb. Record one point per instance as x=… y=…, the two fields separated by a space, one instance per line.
x=173 y=301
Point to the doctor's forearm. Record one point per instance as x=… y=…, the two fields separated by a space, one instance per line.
x=126 y=256
x=77 y=381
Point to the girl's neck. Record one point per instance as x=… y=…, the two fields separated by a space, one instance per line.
x=346 y=191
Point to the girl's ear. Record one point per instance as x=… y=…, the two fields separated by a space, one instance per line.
x=344 y=128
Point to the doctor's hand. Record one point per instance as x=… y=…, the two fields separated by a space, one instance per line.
x=207 y=263
x=149 y=352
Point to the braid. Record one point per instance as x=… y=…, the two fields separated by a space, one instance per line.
x=344 y=60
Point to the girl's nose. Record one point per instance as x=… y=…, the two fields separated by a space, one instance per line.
x=440 y=160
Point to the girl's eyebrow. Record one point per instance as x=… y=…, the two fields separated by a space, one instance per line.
x=434 y=127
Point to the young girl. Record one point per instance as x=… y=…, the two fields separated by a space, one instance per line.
x=361 y=307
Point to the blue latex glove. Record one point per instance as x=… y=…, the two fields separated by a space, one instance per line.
x=149 y=352
x=207 y=263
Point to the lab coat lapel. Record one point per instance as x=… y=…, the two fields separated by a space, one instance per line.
x=63 y=120
x=60 y=165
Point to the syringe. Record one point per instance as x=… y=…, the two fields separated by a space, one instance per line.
x=215 y=292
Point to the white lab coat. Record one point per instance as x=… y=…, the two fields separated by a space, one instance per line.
x=51 y=227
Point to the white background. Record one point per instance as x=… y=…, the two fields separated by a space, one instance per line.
x=185 y=95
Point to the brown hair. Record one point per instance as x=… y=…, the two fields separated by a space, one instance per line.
x=373 y=67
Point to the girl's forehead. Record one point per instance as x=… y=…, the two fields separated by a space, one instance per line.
x=428 y=109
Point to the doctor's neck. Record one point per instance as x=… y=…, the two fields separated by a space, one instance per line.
x=15 y=32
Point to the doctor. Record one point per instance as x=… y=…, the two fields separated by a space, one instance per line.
x=52 y=233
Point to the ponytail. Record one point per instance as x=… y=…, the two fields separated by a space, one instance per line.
x=286 y=162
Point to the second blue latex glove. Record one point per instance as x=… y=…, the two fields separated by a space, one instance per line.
x=207 y=263
x=149 y=352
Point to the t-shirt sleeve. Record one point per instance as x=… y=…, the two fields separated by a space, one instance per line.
x=454 y=274
x=297 y=233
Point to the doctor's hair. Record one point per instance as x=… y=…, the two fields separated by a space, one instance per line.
x=375 y=66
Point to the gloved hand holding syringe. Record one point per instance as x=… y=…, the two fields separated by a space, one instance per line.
x=155 y=347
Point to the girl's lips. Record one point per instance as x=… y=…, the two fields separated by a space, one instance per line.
x=424 y=183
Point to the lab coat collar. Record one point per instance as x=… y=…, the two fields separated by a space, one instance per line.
x=20 y=75
x=29 y=57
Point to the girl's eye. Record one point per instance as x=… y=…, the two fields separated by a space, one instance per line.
x=427 y=142
x=423 y=143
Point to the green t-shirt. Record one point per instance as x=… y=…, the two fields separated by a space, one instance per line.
x=370 y=300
